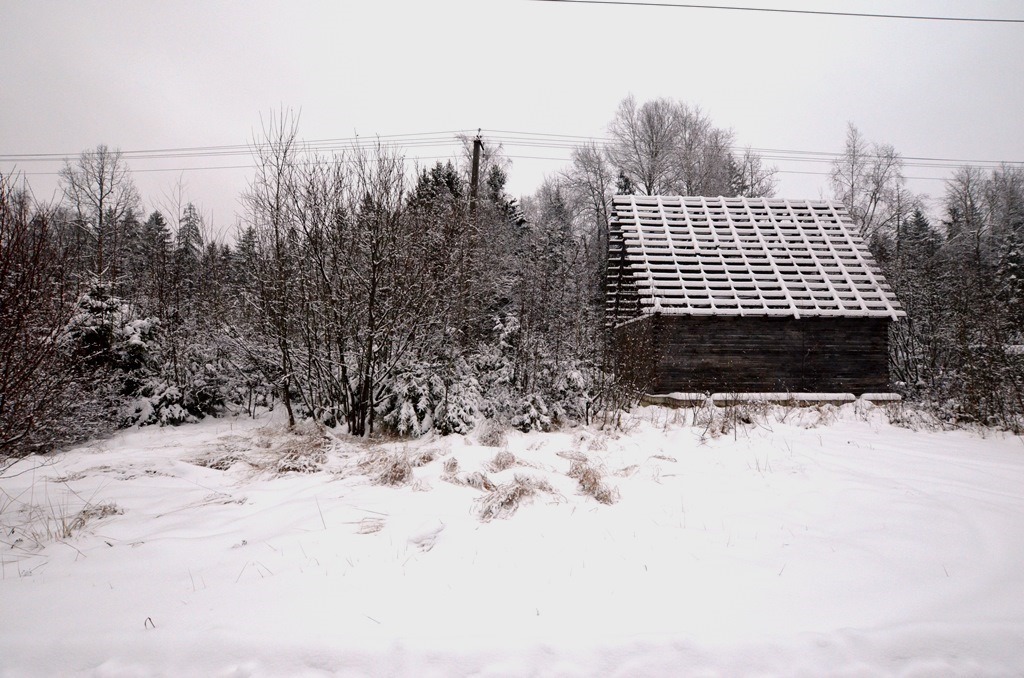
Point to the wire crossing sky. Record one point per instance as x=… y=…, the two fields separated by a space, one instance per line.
x=776 y=10
x=451 y=138
x=447 y=144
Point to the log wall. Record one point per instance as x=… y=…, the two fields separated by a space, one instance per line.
x=758 y=354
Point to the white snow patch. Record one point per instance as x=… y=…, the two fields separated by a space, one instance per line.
x=784 y=547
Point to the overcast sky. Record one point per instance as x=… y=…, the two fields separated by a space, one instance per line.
x=169 y=75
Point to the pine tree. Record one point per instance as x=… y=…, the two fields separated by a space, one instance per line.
x=151 y=269
x=188 y=249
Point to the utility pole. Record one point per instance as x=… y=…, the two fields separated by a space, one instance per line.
x=474 y=180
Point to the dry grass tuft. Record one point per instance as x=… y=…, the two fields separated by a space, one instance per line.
x=271 y=450
x=478 y=480
x=720 y=421
x=492 y=434
x=591 y=482
x=219 y=462
x=301 y=459
x=502 y=461
x=387 y=468
x=475 y=479
x=572 y=455
x=627 y=471
x=36 y=525
x=370 y=525
x=69 y=478
x=90 y=513
x=303 y=450
x=423 y=458
x=904 y=415
x=504 y=500
x=396 y=470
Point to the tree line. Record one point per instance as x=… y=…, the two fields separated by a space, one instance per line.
x=366 y=296
x=960 y=350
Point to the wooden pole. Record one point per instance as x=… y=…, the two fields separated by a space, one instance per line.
x=474 y=181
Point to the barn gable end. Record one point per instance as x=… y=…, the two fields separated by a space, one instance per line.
x=747 y=295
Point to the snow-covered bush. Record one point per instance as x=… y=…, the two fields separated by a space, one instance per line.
x=419 y=399
x=202 y=378
x=532 y=414
x=157 y=379
x=116 y=353
x=523 y=384
x=406 y=409
x=575 y=395
x=158 y=403
x=163 y=403
x=104 y=333
x=179 y=387
x=90 y=331
x=249 y=373
x=495 y=374
x=458 y=410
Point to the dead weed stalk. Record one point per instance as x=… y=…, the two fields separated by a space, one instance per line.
x=591 y=482
x=504 y=500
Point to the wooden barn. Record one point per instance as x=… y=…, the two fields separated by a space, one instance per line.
x=746 y=295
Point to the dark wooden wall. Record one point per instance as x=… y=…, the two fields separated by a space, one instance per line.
x=757 y=354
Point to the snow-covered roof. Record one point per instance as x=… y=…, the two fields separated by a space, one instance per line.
x=741 y=257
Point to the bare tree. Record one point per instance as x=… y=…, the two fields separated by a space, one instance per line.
x=752 y=178
x=33 y=314
x=99 y=189
x=348 y=283
x=703 y=155
x=378 y=257
x=589 y=185
x=645 y=143
x=670 y=147
x=592 y=177
x=966 y=226
x=866 y=178
x=1004 y=199
x=270 y=199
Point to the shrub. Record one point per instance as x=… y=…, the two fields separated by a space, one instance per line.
x=420 y=399
x=533 y=414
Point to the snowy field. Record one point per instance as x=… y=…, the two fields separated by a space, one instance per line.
x=800 y=545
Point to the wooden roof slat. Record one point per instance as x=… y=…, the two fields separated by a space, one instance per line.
x=743 y=256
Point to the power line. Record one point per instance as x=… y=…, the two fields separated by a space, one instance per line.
x=513 y=139
x=777 y=10
x=249 y=167
x=416 y=140
x=239 y=148
x=451 y=138
x=502 y=134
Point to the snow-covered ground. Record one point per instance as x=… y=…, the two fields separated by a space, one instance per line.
x=791 y=546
